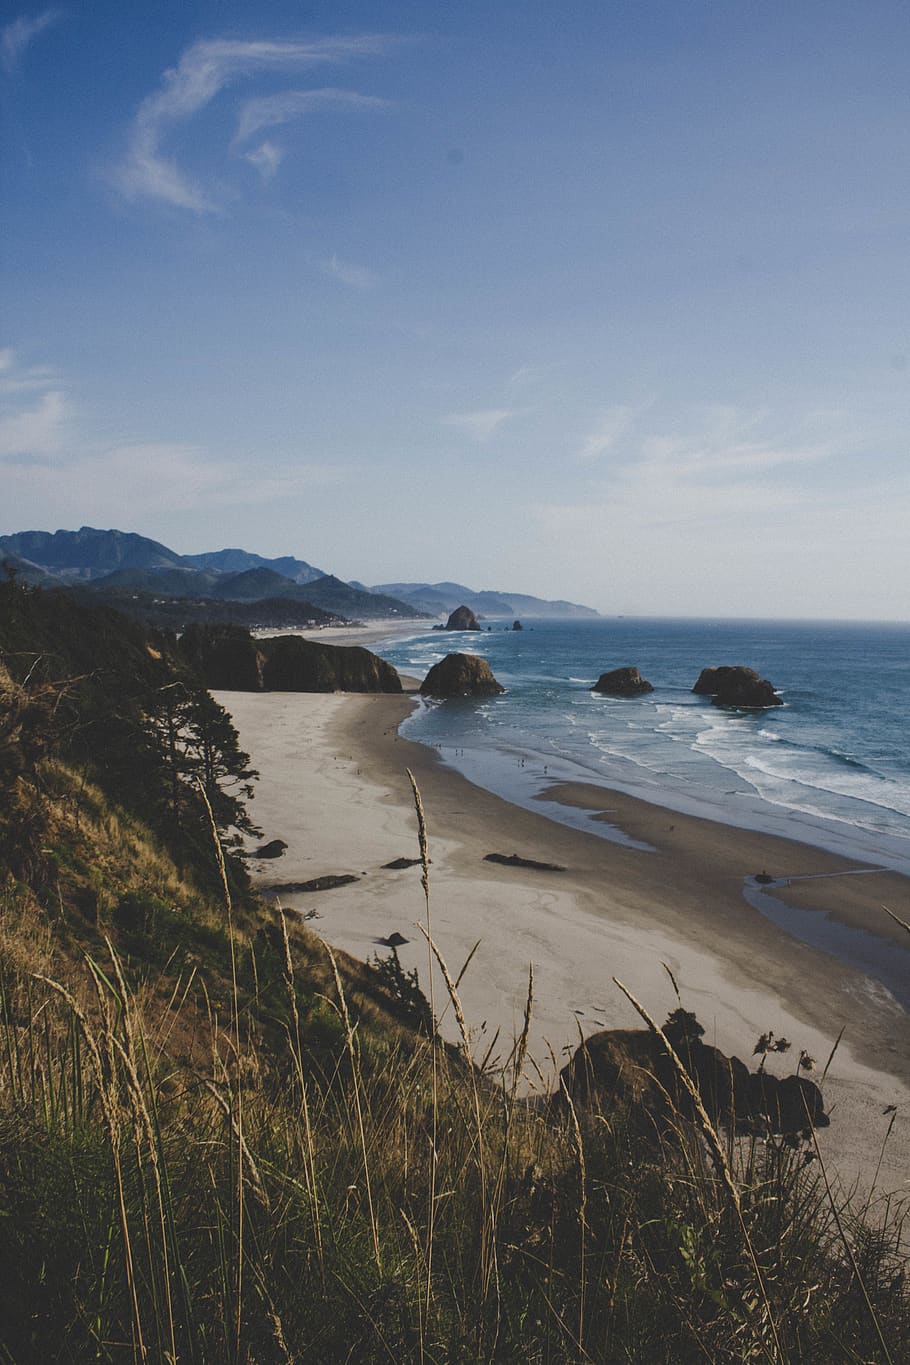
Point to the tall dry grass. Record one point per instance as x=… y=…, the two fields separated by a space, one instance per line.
x=241 y=1157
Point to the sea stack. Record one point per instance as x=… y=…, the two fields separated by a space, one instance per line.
x=623 y=682
x=462 y=618
x=735 y=685
x=461 y=675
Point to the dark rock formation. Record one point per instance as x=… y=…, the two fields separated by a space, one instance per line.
x=734 y=685
x=394 y=940
x=516 y=860
x=273 y=849
x=462 y=618
x=516 y=625
x=327 y=883
x=631 y=1066
x=228 y=658
x=397 y=864
x=623 y=682
x=461 y=675
x=296 y=665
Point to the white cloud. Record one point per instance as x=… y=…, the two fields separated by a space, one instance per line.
x=17 y=36
x=204 y=70
x=53 y=471
x=615 y=423
x=725 y=512
x=270 y=111
x=156 y=476
x=483 y=424
x=356 y=276
x=33 y=409
x=35 y=430
x=267 y=157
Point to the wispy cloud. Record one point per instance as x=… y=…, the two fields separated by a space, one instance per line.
x=714 y=502
x=483 y=424
x=270 y=111
x=33 y=409
x=615 y=423
x=156 y=476
x=355 y=276
x=267 y=157
x=204 y=70
x=17 y=36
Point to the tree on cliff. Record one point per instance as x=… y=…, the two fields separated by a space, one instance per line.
x=199 y=748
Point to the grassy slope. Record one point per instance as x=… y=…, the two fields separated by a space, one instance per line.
x=218 y=1144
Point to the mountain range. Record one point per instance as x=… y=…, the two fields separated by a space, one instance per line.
x=437 y=598
x=124 y=563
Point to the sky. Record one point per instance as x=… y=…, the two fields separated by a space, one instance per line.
x=605 y=300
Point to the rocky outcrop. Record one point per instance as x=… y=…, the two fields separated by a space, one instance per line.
x=623 y=682
x=735 y=685
x=461 y=675
x=462 y=618
x=296 y=665
x=516 y=625
x=227 y=658
x=631 y=1066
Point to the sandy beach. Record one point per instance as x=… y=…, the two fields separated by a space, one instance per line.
x=334 y=786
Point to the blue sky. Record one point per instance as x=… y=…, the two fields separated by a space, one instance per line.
x=606 y=301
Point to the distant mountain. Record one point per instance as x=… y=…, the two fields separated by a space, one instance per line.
x=27 y=572
x=176 y=582
x=442 y=598
x=238 y=561
x=125 y=562
x=252 y=585
x=333 y=595
x=88 y=553
x=177 y=612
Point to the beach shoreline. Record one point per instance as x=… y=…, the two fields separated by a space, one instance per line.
x=335 y=788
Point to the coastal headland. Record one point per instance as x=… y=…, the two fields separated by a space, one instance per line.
x=334 y=787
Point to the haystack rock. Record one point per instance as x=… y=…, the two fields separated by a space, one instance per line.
x=462 y=618
x=734 y=685
x=461 y=675
x=623 y=682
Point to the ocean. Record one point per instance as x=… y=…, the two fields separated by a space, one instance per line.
x=830 y=767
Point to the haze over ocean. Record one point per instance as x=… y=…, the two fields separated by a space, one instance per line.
x=830 y=767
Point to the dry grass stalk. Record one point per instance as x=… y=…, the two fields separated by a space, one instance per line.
x=423 y=844
x=297 y=1054
x=356 y=1080
x=235 y=1013
x=718 y=1155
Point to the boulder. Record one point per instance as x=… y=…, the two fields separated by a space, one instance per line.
x=273 y=849
x=461 y=675
x=631 y=1066
x=296 y=665
x=516 y=625
x=734 y=685
x=462 y=618
x=623 y=682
